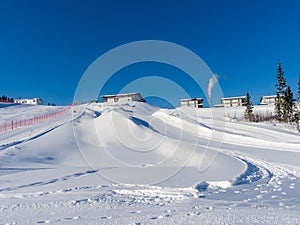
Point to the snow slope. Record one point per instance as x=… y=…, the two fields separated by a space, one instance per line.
x=138 y=164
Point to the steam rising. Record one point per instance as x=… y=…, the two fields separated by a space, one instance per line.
x=212 y=81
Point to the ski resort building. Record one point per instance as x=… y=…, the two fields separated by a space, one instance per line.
x=268 y=100
x=136 y=97
x=30 y=101
x=192 y=102
x=234 y=101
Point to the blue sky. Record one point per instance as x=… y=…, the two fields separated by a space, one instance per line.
x=46 y=46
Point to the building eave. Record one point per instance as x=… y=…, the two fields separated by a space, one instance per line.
x=120 y=95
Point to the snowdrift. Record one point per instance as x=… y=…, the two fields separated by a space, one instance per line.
x=137 y=155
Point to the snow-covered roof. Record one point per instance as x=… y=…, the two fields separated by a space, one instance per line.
x=237 y=97
x=269 y=96
x=27 y=99
x=120 y=95
x=190 y=99
x=219 y=105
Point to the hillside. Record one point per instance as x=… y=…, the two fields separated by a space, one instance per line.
x=139 y=164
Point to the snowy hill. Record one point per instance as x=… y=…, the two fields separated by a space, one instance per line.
x=139 y=164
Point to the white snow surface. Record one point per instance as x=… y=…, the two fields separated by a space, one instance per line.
x=138 y=164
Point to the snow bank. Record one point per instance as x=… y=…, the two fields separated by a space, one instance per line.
x=134 y=164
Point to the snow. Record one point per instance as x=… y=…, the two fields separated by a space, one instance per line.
x=138 y=164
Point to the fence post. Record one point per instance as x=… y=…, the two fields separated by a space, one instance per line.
x=32 y=121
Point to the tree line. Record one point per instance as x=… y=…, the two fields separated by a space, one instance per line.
x=286 y=108
x=4 y=98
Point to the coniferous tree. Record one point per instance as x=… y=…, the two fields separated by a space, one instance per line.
x=281 y=89
x=287 y=105
x=297 y=105
x=298 y=94
x=249 y=108
x=296 y=120
x=280 y=80
x=278 y=112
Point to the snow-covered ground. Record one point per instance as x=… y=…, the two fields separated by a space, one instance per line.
x=138 y=164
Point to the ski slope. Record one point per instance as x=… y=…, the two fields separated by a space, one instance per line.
x=139 y=164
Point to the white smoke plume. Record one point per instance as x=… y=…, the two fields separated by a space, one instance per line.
x=212 y=81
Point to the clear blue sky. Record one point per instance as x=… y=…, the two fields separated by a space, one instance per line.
x=45 y=46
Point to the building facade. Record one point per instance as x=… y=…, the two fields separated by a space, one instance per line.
x=192 y=102
x=30 y=101
x=268 y=100
x=136 y=97
x=234 y=101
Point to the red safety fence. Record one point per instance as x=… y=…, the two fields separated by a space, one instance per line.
x=7 y=101
x=19 y=123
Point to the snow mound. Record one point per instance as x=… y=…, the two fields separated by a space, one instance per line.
x=140 y=164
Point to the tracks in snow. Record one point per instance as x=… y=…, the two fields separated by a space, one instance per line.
x=263 y=184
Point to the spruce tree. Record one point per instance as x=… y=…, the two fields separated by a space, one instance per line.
x=297 y=105
x=249 y=108
x=280 y=80
x=287 y=105
x=281 y=89
x=296 y=120
x=298 y=94
x=278 y=112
